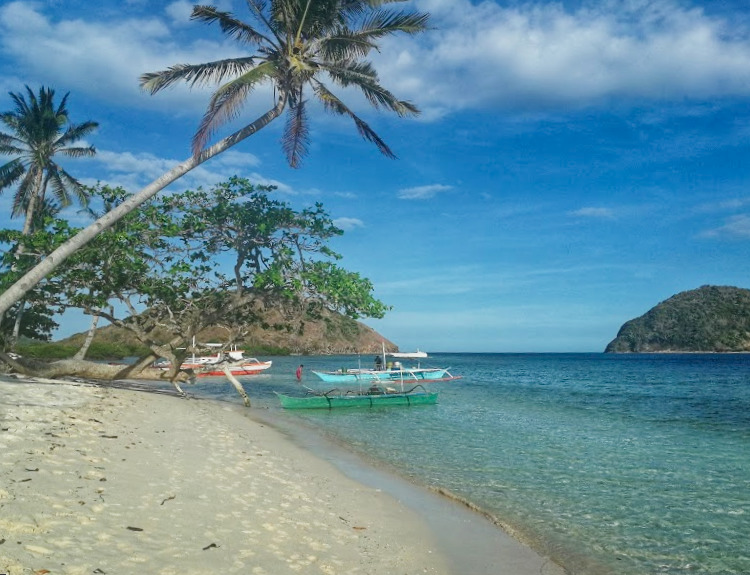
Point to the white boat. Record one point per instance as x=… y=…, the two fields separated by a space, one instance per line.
x=213 y=365
x=408 y=354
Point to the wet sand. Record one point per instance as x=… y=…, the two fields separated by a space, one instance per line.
x=95 y=479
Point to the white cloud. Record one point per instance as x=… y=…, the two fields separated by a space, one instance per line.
x=348 y=224
x=422 y=192
x=133 y=171
x=179 y=12
x=522 y=57
x=735 y=227
x=591 y=212
x=104 y=58
x=541 y=56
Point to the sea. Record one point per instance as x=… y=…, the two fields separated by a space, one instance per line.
x=629 y=464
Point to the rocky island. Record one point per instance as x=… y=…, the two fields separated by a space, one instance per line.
x=707 y=319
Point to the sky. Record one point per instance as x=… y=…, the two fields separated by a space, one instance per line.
x=574 y=163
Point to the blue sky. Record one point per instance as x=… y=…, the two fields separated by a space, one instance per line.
x=575 y=162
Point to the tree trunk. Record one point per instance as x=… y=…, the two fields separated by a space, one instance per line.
x=16 y=292
x=80 y=368
x=81 y=353
x=17 y=326
x=237 y=385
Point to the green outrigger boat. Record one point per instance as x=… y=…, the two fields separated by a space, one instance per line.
x=374 y=396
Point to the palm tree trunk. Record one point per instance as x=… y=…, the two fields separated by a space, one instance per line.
x=15 y=292
x=81 y=353
x=13 y=342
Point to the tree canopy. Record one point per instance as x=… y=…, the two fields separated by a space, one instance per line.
x=297 y=45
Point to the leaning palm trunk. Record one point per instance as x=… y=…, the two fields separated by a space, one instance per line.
x=17 y=291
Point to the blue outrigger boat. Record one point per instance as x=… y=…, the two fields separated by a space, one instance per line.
x=394 y=372
x=395 y=375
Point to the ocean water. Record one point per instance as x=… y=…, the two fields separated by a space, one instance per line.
x=609 y=464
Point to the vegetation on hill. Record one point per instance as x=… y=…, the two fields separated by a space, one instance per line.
x=707 y=319
x=333 y=333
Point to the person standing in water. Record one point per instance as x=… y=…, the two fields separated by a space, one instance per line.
x=299 y=372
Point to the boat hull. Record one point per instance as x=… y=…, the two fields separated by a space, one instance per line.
x=235 y=370
x=356 y=400
x=217 y=369
x=405 y=375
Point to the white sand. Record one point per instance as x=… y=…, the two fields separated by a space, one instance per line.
x=112 y=481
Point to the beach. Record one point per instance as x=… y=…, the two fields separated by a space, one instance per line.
x=97 y=479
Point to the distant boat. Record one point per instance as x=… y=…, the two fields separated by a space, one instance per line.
x=374 y=396
x=408 y=354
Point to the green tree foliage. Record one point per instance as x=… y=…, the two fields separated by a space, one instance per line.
x=207 y=258
x=294 y=46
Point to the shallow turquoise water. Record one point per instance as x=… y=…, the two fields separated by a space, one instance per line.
x=622 y=464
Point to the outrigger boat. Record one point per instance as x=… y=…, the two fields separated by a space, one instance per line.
x=213 y=365
x=374 y=396
x=394 y=372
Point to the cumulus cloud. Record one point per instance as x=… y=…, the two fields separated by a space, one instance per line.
x=520 y=56
x=422 y=192
x=105 y=57
x=134 y=171
x=348 y=224
x=591 y=212
x=531 y=56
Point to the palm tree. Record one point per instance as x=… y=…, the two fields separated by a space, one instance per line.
x=298 y=44
x=39 y=131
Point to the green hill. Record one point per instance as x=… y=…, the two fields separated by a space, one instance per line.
x=707 y=319
x=332 y=333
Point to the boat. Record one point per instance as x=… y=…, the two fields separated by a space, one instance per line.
x=408 y=354
x=397 y=373
x=213 y=365
x=373 y=396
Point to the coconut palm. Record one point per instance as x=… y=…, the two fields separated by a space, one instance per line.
x=39 y=131
x=298 y=45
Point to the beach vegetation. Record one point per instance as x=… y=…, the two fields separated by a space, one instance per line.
x=36 y=132
x=224 y=257
x=299 y=49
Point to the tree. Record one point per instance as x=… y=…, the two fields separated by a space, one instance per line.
x=200 y=259
x=297 y=44
x=39 y=131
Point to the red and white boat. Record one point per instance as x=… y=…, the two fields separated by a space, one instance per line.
x=213 y=365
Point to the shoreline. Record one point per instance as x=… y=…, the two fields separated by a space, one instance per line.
x=100 y=478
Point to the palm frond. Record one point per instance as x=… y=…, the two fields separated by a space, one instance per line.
x=10 y=145
x=11 y=172
x=196 y=74
x=344 y=45
x=78 y=152
x=229 y=24
x=332 y=104
x=76 y=132
x=362 y=75
x=295 y=139
x=57 y=185
x=382 y=23
x=73 y=187
x=226 y=103
x=23 y=193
